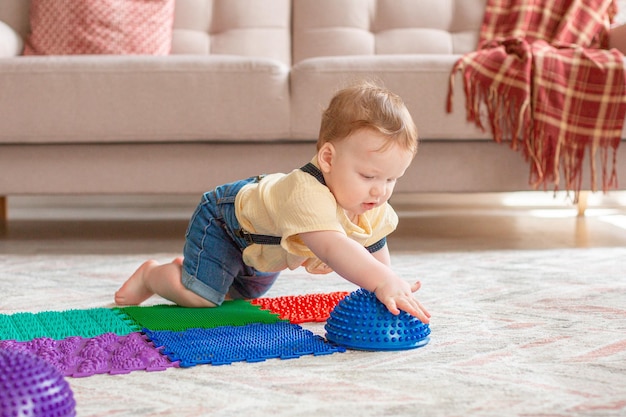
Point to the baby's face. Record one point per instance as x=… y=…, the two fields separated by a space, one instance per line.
x=360 y=175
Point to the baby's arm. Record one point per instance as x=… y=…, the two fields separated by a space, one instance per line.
x=353 y=262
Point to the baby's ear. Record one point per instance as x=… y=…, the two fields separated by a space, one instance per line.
x=325 y=157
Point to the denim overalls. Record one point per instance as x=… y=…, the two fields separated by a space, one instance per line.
x=213 y=265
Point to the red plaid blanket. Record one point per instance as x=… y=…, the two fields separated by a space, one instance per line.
x=546 y=82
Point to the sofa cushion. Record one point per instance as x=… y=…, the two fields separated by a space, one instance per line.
x=100 y=27
x=233 y=27
x=378 y=27
x=122 y=98
x=421 y=80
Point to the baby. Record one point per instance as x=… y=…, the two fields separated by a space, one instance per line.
x=330 y=215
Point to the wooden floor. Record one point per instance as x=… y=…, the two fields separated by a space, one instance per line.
x=427 y=224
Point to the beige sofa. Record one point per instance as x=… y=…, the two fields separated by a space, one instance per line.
x=240 y=94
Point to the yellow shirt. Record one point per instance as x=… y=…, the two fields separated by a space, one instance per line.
x=286 y=205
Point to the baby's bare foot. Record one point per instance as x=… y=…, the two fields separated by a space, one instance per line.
x=134 y=290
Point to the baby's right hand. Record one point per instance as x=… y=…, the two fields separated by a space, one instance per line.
x=397 y=295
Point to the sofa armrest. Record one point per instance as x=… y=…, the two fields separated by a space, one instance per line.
x=11 y=43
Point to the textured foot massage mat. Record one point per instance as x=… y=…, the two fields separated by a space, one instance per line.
x=120 y=340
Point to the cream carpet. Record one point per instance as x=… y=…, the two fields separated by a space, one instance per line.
x=514 y=333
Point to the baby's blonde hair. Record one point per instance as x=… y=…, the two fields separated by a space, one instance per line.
x=366 y=105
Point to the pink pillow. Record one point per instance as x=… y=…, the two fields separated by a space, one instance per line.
x=69 y=27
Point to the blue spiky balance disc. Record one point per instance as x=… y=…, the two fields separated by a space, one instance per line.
x=362 y=322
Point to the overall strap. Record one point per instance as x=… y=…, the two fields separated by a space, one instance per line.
x=275 y=240
x=315 y=171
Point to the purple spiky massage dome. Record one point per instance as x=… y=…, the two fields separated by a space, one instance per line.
x=29 y=386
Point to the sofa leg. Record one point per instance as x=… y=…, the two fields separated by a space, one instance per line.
x=582 y=203
x=4 y=214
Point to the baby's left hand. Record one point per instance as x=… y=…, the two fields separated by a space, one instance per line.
x=397 y=295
